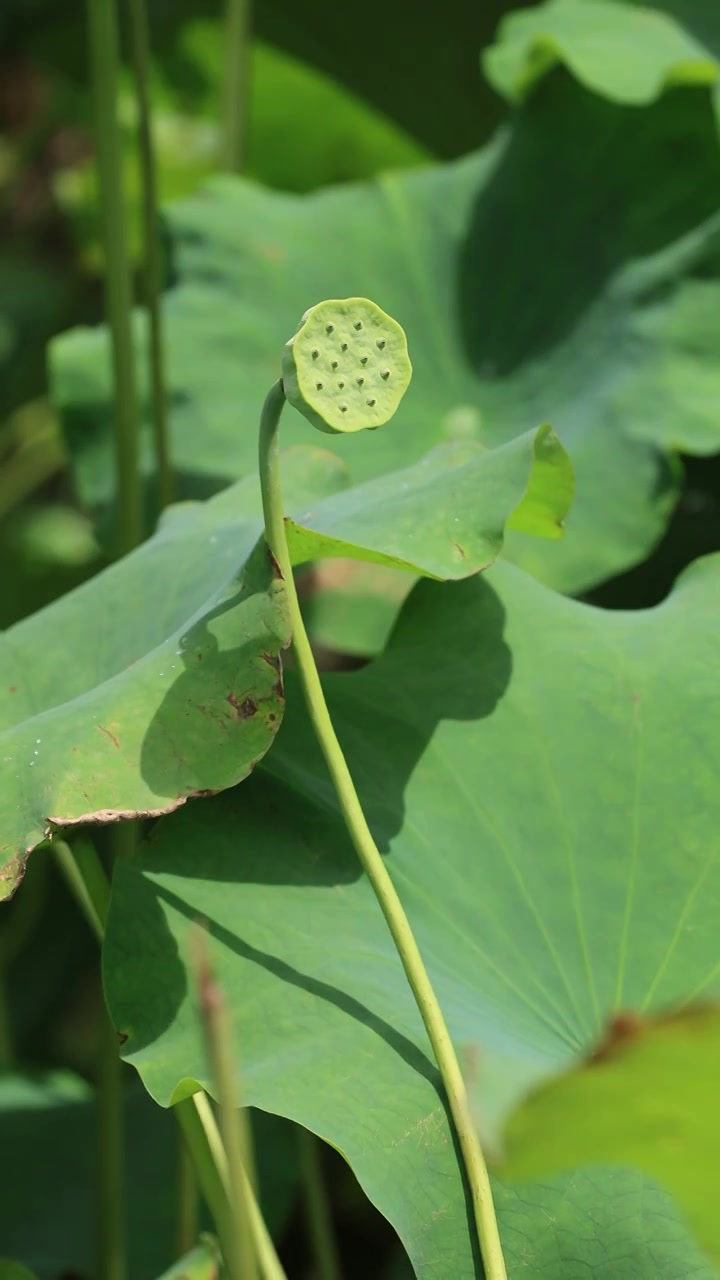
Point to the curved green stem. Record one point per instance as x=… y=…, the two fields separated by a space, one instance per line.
x=86 y=876
x=87 y=880
x=369 y=854
x=317 y=1208
x=210 y=1159
x=205 y=1163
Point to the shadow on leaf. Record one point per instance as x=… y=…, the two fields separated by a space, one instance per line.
x=546 y=235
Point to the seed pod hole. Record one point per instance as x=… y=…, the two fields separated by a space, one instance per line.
x=372 y=403
x=341 y=386
x=357 y=324
x=359 y=381
x=385 y=374
x=343 y=408
x=380 y=343
x=363 y=359
x=329 y=328
x=334 y=364
x=319 y=386
x=315 y=353
x=344 y=346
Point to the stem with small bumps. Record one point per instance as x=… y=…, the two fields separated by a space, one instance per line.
x=369 y=854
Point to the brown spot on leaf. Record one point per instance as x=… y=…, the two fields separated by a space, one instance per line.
x=244 y=708
x=272 y=659
x=279 y=688
x=626 y=1026
x=621 y=1028
x=13 y=688
x=460 y=550
x=123 y=1036
x=109 y=735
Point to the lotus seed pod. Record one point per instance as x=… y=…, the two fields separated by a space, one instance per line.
x=347 y=368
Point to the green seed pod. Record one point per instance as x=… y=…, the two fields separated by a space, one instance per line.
x=347 y=367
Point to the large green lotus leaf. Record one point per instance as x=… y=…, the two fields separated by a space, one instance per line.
x=158 y=679
x=551 y=824
x=650 y=1100
x=553 y=276
x=630 y=54
x=446 y=516
x=175 y=684
x=48 y=1140
x=610 y=1223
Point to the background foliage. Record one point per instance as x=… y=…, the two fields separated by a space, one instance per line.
x=534 y=193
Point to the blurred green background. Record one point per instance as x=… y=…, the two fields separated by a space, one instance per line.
x=337 y=95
